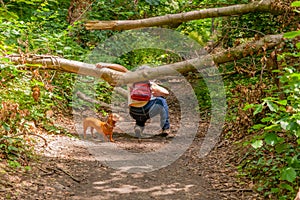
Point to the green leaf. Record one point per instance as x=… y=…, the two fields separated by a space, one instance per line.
x=276 y=71
x=273 y=107
x=258 y=126
x=27 y=168
x=266 y=119
x=33 y=18
x=298 y=45
x=247 y=106
x=260 y=189
x=284 y=125
x=6 y=126
x=294 y=161
x=288 y=174
x=36 y=82
x=275 y=190
x=12 y=148
x=58 y=97
x=258 y=109
x=293 y=126
x=273 y=127
x=14 y=164
x=271 y=139
x=291 y=34
x=4 y=59
x=257 y=144
x=296 y=4
x=281 y=148
x=67 y=48
x=282 y=102
x=286 y=186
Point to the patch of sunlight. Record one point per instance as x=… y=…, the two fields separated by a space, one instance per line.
x=159 y=190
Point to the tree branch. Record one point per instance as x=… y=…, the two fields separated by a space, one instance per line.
x=203 y=62
x=119 y=78
x=61 y=64
x=244 y=50
x=239 y=9
x=88 y=99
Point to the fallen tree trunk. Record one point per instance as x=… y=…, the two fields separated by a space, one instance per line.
x=239 y=9
x=119 y=78
x=203 y=62
x=65 y=65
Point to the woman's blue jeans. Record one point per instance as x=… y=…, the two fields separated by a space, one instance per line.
x=157 y=106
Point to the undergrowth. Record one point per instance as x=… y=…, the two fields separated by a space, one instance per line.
x=273 y=161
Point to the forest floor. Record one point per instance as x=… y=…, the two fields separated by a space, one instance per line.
x=67 y=168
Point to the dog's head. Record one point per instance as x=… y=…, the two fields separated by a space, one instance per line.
x=113 y=118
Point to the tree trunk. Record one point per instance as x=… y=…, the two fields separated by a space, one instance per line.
x=71 y=66
x=118 y=78
x=256 y=6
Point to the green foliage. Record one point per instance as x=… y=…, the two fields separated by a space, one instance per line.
x=38 y=27
x=272 y=161
x=34 y=27
x=296 y=4
x=199 y=30
x=150 y=56
x=120 y=10
x=277 y=147
x=254 y=25
x=14 y=146
x=292 y=34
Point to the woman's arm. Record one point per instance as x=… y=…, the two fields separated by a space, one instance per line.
x=158 y=90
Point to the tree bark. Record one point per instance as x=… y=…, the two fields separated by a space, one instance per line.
x=118 y=78
x=240 y=9
x=64 y=65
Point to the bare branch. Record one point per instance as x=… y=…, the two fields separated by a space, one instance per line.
x=89 y=99
x=239 y=9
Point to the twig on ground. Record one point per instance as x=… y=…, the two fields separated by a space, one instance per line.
x=67 y=173
x=14 y=137
x=45 y=141
x=47 y=173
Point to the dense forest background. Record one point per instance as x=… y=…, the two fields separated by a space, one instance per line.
x=262 y=87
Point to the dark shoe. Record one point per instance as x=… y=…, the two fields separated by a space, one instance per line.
x=170 y=135
x=166 y=133
x=138 y=131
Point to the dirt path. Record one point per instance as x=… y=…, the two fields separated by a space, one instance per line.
x=67 y=170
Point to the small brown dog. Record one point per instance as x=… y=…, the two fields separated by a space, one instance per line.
x=105 y=128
